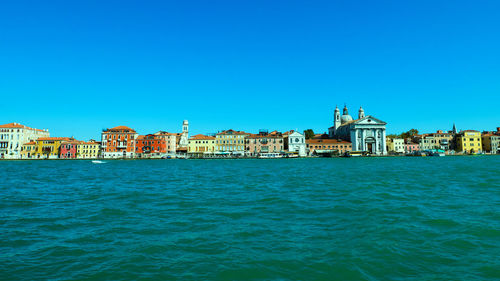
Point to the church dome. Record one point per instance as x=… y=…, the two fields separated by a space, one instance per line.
x=345 y=118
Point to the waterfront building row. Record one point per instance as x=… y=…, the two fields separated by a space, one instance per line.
x=451 y=142
x=364 y=135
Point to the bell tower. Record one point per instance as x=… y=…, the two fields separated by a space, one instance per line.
x=361 y=113
x=336 y=117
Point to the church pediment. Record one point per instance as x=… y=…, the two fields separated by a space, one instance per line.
x=369 y=120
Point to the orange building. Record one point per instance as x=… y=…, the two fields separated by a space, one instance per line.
x=150 y=145
x=322 y=146
x=118 y=142
x=171 y=140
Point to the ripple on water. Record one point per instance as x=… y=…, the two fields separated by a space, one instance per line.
x=310 y=219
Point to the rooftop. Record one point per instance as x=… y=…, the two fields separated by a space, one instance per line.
x=201 y=137
x=55 y=139
x=15 y=125
x=120 y=129
x=327 y=141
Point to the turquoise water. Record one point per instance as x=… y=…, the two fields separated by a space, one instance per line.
x=404 y=218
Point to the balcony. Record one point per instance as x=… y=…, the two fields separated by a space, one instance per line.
x=121 y=145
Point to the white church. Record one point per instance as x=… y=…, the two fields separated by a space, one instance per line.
x=366 y=133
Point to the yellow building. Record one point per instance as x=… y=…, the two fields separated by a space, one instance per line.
x=88 y=150
x=200 y=145
x=491 y=141
x=28 y=149
x=49 y=147
x=468 y=141
x=231 y=142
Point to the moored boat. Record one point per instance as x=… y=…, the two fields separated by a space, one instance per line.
x=270 y=155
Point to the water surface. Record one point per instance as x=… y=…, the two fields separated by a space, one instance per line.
x=404 y=218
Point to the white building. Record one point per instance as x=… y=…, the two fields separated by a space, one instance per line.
x=366 y=133
x=296 y=143
x=184 y=140
x=14 y=135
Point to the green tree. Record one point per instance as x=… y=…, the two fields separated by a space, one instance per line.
x=309 y=133
x=409 y=134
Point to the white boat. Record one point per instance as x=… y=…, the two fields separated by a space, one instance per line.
x=270 y=155
x=436 y=152
x=98 y=162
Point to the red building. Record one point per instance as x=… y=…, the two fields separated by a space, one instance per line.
x=118 y=142
x=150 y=145
x=67 y=150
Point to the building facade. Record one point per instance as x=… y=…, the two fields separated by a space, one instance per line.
x=491 y=141
x=28 y=150
x=366 y=133
x=411 y=147
x=201 y=146
x=14 y=135
x=295 y=142
x=468 y=141
x=264 y=142
x=327 y=146
x=395 y=145
x=231 y=142
x=118 y=142
x=68 y=149
x=150 y=146
x=170 y=141
x=88 y=150
x=49 y=148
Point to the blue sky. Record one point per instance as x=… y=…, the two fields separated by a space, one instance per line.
x=76 y=67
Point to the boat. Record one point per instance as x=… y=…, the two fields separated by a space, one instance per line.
x=270 y=155
x=98 y=162
x=436 y=152
x=354 y=154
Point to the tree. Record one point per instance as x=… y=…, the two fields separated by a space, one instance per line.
x=309 y=133
x=409 y=134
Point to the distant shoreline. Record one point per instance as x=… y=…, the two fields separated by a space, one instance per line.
x=246 y=158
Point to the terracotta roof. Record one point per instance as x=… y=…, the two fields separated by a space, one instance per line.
x=71 y=142
x=164 y=133
x=90 y=142
x=30 y=143
x=20 y=126
x=233 y=132
x=182 y=149
x=201 y=137
x=141 y=137
x=121 y=128
x=258 y=136
x=55 y=138
x=328 y=141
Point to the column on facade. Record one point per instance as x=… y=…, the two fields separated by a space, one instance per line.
x=362 y=142
x=384 y=145
x=354 y=141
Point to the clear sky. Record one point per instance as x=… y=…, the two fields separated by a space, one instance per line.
x=76 y=67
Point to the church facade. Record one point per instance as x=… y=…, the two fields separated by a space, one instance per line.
x=366 y=133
